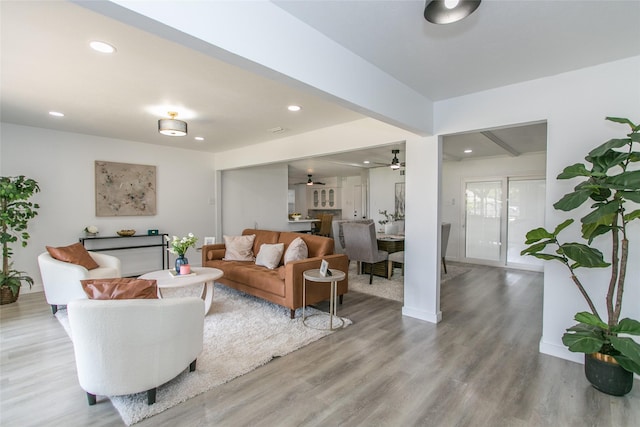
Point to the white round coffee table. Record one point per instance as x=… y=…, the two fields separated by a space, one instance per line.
x=315 y=276
x=204 y=276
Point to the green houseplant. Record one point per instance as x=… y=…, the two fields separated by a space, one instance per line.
x=15 y=213
x=611 y=188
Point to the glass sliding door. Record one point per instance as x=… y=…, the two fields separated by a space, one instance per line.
x=526 y=212
x=483 y=220
x=498 y=214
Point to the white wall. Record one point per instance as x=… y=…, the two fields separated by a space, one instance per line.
x=255 y=197
x=63 y=165
x=574 y=105
x=453 y=176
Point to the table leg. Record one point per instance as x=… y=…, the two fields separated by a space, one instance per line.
x=207 y=296
x=304 y=298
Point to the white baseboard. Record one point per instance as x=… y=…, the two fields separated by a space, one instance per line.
x=422 y=315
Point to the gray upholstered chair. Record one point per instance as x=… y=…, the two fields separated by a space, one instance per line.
x=446 y=228
x=361 y=245
x=338 y=233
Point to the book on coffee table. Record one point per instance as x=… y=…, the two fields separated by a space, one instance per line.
x=173 y=273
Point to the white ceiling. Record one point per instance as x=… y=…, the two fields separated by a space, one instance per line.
x=47 y=65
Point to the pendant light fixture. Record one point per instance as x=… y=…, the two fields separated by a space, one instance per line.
x=172 y=126
x=449 y=11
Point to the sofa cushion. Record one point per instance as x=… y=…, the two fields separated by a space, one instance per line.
x=316 y=245
x=121 y=288
x=262 y=237
x=270 y=255
x=296 y=251
x=249 y=274
x=239 y=248
x=74 y=254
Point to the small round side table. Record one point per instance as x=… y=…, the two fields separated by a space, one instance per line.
x=315 y=276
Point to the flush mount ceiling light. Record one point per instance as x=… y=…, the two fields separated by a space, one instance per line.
x=172 y=127
x=102 y=47
x=449 y=11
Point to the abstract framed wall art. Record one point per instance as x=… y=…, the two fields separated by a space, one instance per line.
x=124 y=189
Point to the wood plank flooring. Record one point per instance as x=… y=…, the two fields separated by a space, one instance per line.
x=479 y=367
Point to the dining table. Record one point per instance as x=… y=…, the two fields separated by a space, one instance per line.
x=389 y=243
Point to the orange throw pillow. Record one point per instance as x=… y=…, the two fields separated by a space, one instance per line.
x=123 y=288
x=75 y=254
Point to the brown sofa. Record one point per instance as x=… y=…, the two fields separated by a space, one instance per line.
x=282 y=285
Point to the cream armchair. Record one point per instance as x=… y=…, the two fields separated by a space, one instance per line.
x=61 y=279
x=131 y=346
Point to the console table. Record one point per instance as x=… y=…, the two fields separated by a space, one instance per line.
x=129 y=242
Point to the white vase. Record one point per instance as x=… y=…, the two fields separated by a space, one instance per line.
x=390 y=228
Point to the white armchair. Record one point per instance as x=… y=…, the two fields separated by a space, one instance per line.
x=131 y=346
x=61 y=279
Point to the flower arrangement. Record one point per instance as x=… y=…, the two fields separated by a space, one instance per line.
x=179 y=246
x=389 y=217
x=91 y=229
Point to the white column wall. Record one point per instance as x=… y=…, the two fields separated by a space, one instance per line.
x=574 y=105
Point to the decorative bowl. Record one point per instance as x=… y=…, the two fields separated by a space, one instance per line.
x=126 y=233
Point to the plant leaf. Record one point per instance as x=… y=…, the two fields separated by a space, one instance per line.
x=634 y=196
x=582 y=342
x=584 y=255
x=627 y=326
x=612 y=143
x=562 y=226
x=621 y=120
x=573 y=171
x=590 y=319
x=572 y=200
x=603 y=214
x=627 y=347
x=627 y=364
x=632 y=215
x=537 y=234
x=625 y=180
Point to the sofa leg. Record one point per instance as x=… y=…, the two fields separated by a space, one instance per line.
x=192 y=365
x=292 y=313
x=91 y=398
x=54 y=308
x=151 y=396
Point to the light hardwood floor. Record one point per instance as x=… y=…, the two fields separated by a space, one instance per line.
x=479 y=367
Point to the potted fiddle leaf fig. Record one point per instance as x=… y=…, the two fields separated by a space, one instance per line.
x=611 y=189
x=15 y=213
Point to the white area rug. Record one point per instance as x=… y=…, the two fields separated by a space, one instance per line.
x=241 y=333
x=394 y=287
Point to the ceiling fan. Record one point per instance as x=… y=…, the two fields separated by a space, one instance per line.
x=395 y=162
x=310 y=181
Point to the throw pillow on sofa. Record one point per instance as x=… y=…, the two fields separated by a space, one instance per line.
x=296 y=251
x=270 y=255
x=74 y=254
x=123 y=288
x=239 y=248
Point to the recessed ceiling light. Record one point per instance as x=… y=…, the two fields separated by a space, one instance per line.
x=366 y=162
x=294 y=108
x=199 y=138
x=467 y=151
x=102 y=47
x=56 y=114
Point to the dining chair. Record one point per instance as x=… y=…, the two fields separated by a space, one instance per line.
x=325 y=225
x=361 y=245
x=444 y=236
